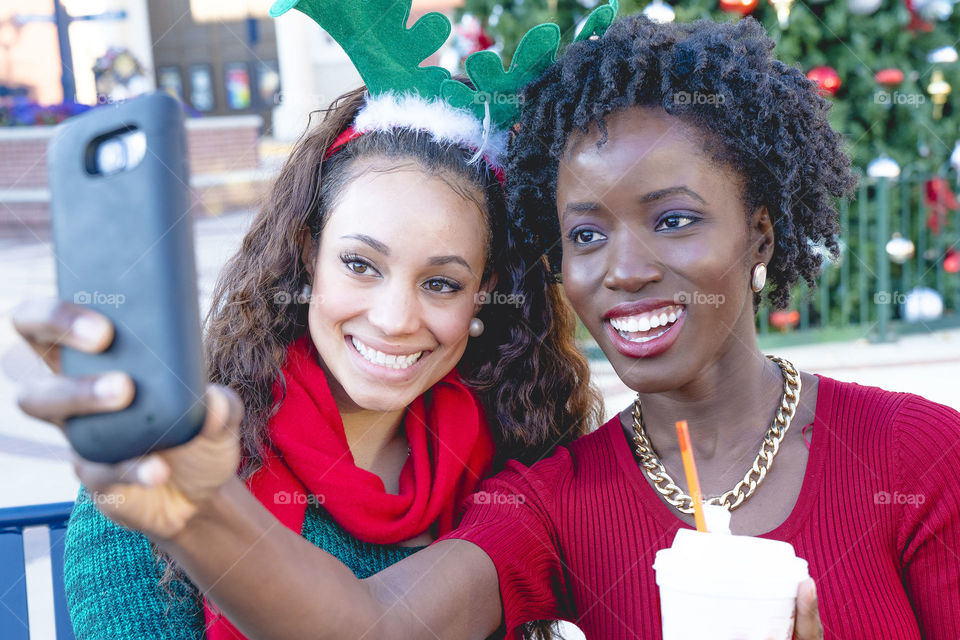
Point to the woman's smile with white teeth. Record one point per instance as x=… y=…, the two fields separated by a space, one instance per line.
x=383 y=359
x=644 y=322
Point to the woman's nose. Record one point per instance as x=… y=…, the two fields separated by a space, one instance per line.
x=397 y=310
x=631 y=265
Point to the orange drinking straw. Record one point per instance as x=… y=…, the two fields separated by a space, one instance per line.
x=690 y=468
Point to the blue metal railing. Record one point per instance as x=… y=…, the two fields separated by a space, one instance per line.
x=14 y=618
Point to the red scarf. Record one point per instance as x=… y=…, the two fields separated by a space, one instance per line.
x=450 y=451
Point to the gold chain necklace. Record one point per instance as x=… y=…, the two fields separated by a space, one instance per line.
x=732 y=499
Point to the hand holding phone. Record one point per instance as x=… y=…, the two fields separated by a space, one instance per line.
x=123 y=241
x=157 y=494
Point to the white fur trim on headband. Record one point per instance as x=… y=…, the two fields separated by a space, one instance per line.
x=444 y=122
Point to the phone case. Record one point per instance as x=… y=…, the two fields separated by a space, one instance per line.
x=124 y=247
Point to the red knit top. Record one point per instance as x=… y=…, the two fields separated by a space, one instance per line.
x=878 y=519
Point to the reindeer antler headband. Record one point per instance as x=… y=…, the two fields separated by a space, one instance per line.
x=402 y=94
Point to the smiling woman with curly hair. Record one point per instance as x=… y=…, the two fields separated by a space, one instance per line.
x=672 y=174
x=749 y=112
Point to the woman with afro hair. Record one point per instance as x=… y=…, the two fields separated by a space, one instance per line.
x=672 y=174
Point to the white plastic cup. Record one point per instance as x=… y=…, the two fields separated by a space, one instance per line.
x=727 y=587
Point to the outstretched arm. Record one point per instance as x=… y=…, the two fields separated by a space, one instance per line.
x=269 y=581
x=272 y=583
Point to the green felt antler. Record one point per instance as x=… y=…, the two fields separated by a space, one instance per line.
x=599 y=21
x=387 y=54
x=499 y=88
x=374 y=34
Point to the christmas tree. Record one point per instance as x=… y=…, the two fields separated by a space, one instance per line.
x=887 y=65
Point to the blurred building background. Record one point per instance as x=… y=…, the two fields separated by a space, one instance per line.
x=30 y=46
x=248 y=84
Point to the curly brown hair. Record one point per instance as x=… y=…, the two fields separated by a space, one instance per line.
x=525 y=368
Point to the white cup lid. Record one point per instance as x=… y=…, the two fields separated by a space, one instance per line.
x=729 y=564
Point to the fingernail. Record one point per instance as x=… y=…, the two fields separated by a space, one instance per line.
x=89 y=329
x=150 y=472
x=110 y=387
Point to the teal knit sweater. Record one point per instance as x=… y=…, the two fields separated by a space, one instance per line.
x=111 y=576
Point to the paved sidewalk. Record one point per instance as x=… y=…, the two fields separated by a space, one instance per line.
x=35 y=461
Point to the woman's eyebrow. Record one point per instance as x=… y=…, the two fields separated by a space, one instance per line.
x=669 y=191
x=373 y=243
x=437 y=261
x=579 y=207
x=376 y=245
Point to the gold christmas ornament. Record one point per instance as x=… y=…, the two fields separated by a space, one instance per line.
x=783 y=11
x=939 y=89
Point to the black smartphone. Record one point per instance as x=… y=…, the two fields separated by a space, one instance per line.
x=123 y=241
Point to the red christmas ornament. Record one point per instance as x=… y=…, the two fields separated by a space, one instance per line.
x=940 y=199
x=917 y=24
x=951 y=261
x=827 y=79
x=889 y=78
x=743 y=7
x=784 y=320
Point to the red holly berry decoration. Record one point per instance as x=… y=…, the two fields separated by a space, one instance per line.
x=743 y=7
x=827 y=79
x=889 y=78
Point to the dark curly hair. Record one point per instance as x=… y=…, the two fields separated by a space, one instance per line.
x=770 y=126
